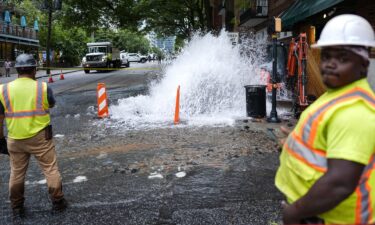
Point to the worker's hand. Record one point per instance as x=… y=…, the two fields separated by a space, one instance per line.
x=285 y=131
x=289 y=214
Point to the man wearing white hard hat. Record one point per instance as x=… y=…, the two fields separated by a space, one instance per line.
x=327 y=163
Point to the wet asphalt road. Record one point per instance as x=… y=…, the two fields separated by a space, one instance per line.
x=129 y=177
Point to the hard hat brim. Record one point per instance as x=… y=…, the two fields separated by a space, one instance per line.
x=327 y=44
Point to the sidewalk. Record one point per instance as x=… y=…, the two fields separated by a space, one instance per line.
x=39 y=74
x=42 y=73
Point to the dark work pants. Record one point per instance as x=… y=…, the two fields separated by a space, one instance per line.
x=312 y=220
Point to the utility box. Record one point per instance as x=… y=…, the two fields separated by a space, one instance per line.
x=277 y=24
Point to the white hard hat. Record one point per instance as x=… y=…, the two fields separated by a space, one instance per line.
x=346 y=30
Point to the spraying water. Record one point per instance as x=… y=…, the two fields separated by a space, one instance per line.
x=212 y=74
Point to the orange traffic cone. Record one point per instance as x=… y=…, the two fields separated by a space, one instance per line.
x=102 y=101
x=50 y=80
x=61 y=76
x=177 y=111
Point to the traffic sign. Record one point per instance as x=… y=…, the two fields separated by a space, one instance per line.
x=233 y=36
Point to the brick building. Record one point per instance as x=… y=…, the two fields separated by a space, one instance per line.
x=223 y=14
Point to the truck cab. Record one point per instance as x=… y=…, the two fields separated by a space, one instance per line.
x=101 y=55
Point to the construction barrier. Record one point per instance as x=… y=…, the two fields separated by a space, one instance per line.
x=177 y=110
x=102 y=101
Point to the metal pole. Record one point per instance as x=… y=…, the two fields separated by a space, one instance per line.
x=273 y=115
x=48 y=62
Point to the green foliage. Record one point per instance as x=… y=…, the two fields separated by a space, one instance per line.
x=93 y=15
x=28 y=8
x=118 y=21
x=179 y=44
x=124 y=39
x=243 y=4
x=70 y=42
x=176 y=17
x=158 y=52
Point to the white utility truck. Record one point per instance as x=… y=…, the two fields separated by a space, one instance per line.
x=100 y=56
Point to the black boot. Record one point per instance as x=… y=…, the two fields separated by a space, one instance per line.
x=18 y=212
x=60 y=205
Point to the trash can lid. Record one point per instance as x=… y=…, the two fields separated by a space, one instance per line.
x=256 y=85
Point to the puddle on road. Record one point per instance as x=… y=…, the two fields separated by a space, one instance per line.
x=80 y=179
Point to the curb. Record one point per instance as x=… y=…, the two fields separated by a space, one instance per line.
x=55 y=74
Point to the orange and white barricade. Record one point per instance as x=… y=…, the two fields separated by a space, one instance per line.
x=102 y=101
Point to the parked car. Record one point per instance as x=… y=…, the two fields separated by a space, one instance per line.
x=124 y=59
x=135 y=57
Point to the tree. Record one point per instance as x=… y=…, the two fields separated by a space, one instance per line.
x=92 y=15
x=124 y=39
x=176 y=17
x=120 y=21
x=166 y=17
x=71 y=43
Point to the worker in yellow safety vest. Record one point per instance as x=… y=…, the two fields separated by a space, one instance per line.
x=327 y=162
x=25 y=106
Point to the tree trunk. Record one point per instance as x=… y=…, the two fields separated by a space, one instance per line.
x=208 y=12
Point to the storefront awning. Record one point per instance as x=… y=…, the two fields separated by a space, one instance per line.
x=302 y=9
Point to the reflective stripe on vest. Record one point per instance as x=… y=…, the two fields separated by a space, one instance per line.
x=363 y=191
x=314 y=158
x=39 y=111
x=310 y=127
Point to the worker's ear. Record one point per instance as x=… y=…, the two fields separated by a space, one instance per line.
x=364 y=67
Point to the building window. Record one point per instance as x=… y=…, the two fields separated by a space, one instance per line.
x=262 y=7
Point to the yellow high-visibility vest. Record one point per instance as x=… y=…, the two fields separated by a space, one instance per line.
x=26 y=107
x=303 y=159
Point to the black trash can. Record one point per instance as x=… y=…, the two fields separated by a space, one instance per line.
x=256 y=100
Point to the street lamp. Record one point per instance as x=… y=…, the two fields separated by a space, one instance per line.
x=273 y=114
x=50 y=5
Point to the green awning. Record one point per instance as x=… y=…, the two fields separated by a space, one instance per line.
x=302 y=9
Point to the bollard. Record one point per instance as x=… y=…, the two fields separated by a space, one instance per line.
x=177 y=110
